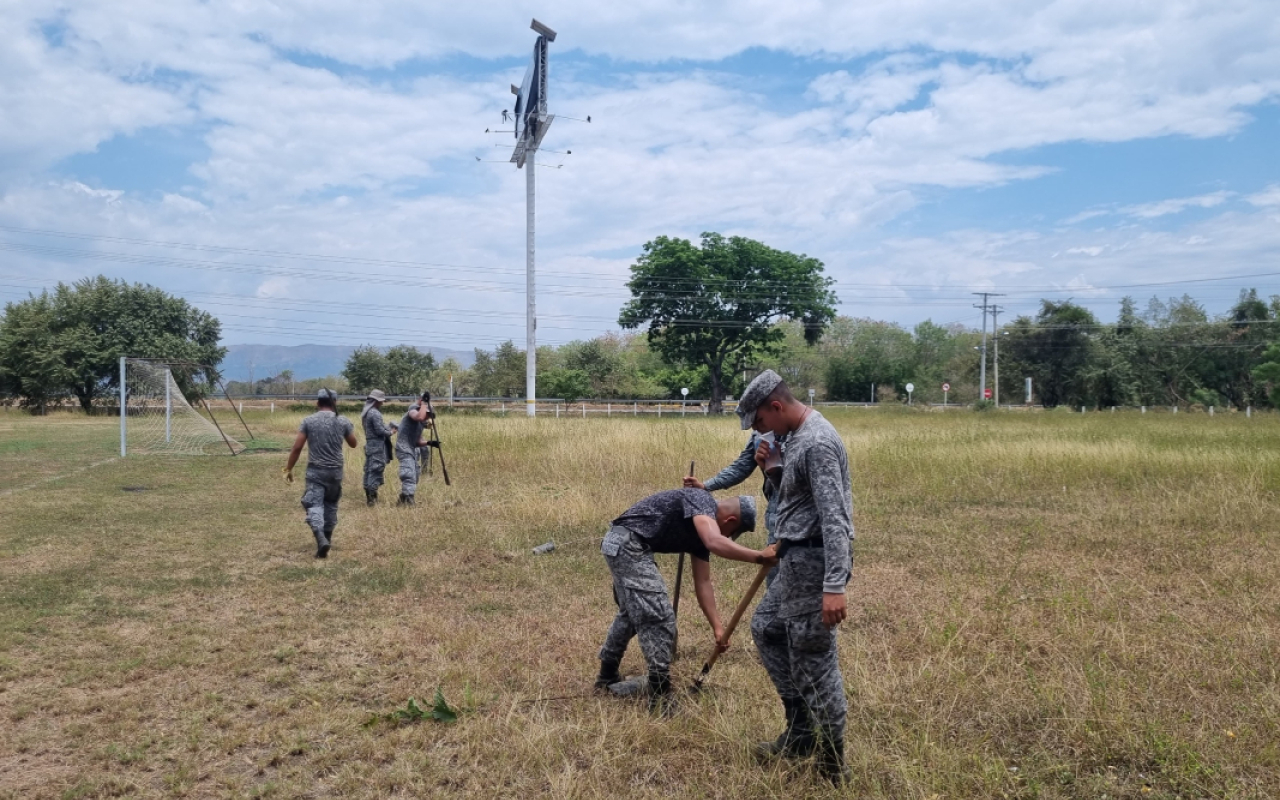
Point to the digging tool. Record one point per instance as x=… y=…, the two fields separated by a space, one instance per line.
x=675 y=596
x=435 y=438
x=733 y=623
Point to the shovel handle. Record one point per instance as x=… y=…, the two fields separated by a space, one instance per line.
x=733 y=622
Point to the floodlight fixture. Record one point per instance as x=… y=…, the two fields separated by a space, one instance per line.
x=544 y=30
x=515 y=90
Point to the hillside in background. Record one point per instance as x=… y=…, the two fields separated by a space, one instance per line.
x=257 y=361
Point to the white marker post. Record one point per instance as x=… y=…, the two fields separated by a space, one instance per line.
x=684 y=395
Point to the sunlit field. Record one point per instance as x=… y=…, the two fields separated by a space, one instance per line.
x=1043 y=605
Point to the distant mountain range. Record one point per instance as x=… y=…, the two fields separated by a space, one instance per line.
x=258 y=361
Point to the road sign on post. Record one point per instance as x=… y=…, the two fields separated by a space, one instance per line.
x=812 y=392
x=986 y=394
x=946 y=387
x=910 y=387
x=684 y=394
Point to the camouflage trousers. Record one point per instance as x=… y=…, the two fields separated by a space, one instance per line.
x=409 y=470
x=799 y=652
x=375 y=462
x=644 y=608
x=320 y=500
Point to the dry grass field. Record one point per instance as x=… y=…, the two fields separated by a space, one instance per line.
x=1043 y=605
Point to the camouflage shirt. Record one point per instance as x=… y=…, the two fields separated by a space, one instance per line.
x=815 y=498
x=325 y=432
x=665 y=521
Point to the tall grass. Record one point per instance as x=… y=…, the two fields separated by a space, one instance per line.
x=1042 y=606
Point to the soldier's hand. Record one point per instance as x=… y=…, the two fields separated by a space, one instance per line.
x=288 y=474
x=722 y=640
x=691 y=482
x=833 y=609
x=770 y=554
x=762 y=453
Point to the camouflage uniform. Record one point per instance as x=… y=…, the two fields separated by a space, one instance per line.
x=407 y=439
x=325 y=432
x=814 y=525
x=377 y=448
x=660 y=523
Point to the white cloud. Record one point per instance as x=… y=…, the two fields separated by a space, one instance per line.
x=1267 y=198
x=1088 y=251
x=1176 y=205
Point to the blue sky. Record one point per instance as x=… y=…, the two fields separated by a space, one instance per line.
x=308 y=171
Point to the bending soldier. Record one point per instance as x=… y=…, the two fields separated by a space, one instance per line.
x=408 y=440
x=794 y=627
x=323 y=433
x=676 y=521
x=377 y=444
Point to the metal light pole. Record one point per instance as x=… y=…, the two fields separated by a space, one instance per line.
x=995 y=338
x=982 y=373
x=531 y=109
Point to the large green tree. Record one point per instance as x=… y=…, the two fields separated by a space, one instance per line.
x=1054 y=349
x=715 y=305
x=87 y=326
x=402 y=370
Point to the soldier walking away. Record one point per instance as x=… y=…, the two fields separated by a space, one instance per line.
x=408 y=440
x=377 y=444
x=794 y=627
x=676 y=521
x=323 y=433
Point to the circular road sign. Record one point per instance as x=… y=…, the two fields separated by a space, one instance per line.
x=685 y=391
x=911 y=387
x=986 y=394
x=946 y=387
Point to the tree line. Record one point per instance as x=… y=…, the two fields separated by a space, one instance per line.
x=716 y=314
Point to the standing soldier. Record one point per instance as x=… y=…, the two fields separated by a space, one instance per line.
x=377 y=444
x=408 y=440
x=323 y=433
x=794 y=627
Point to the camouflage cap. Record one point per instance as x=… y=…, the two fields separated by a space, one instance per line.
x=376 y=394
x=747 y=513
x=756 y=393
x=327 y=395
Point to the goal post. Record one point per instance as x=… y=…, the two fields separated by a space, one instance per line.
x=156 y=418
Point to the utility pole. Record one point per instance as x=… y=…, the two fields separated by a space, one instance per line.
x=982 y=373
x=531 y=123
x=995 y=336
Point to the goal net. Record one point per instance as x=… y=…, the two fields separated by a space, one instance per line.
x=159 y=420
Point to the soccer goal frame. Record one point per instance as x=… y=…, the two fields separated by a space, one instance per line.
x=152 y=394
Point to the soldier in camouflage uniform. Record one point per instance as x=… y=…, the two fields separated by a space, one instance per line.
x=677 y=521
x=408 y=441
x=794 y=626
x=377 y=444
x=323 y=434
x=738 y=471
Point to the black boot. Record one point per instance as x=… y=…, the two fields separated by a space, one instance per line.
x=608 y=675
x=322 y=545
x=831 y=757
x=661 y=701
x=405 y=500
x=797 y=740
x=370 y=496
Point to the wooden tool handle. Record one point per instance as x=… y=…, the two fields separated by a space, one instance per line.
x=733 y=621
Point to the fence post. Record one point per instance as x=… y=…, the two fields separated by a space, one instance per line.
x=1175 y=409
x=659 y=410
x=608 y=409
x=1248 y=412
x=1211 y=411
x=635 y=409
x=557 y=411
x=273 y=406
x=584 y=410
x=1144 y=409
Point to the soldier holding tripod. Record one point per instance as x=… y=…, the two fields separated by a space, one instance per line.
x=408 y=440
